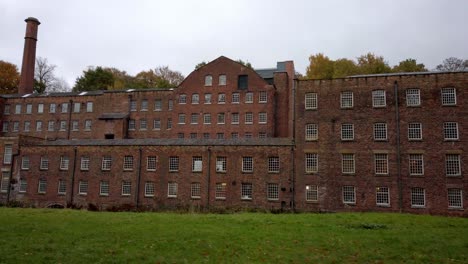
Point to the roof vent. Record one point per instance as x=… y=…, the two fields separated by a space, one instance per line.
x=130 y=90
x=83 y=93
x=26 y=95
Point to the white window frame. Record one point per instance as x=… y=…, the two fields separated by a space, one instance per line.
x=347 y=99
x=64 y=162
x=104 y=188
x=348 y=163
x=197 y=164
x=195 y=190
x=380 y=131
x=174 y=163
x=248 y=118
x=249 y=97
x=235 y=98
x=84 y=163
x=44 y=163
x=83 y=187
x=448 y=96
x=128 y=163
x=311 y=193
x=246 y=191
x=272 y=191
x=273 y=164
x=25 y=163
x=62 y=187
x=247 y=164
x=220 y=191
x=452 y=165
x=347 y=132
x=413 y=97
x=222 y=79
x=381 y=163
x=310 y=101
x=151 y=163
x=451 y=131
x=349 y=194
x=106 y=163
x=126 y=188
x=7 y=154
x=149 y=189
x=418 y=193
x=379 y=98
x=262 y=97
x=208 y=80
x=221 y=164
x=414 y=131
x=416 y=164
x=42 y=186
x=262 y=118
x=382 y=196
x=172 y=189
x=311 y=162
x=455 y=198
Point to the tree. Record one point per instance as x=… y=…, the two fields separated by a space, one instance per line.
x=245 y=63
x=59 y=86
x=9 y=78
x=43 y=75
x=174 y=78
x=94 y=79
x=453 y=64
x=372 y=64
x=409 y=65
x=344 y=67
x=122 y=80
x=320 y=67
x=199 y=65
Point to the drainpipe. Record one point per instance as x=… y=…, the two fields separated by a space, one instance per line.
x=137 y=198
x=12 y=168
x=69 y=118
x=293 y=160
x=75 y=149
x=129 y=112
x=397 y=119
x=209 y=179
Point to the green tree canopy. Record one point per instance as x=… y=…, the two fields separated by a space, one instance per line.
x=409 y=65
x=9 y=78
x=320 y=67
x=372 y=64
x=94 y=79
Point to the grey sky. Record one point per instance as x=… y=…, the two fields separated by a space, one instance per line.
x=139 y=35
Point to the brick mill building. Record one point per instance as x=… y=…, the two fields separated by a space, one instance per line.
x=233 y=137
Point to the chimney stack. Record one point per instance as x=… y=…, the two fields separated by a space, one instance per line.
x=26 y=85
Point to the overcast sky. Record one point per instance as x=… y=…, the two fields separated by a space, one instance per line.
x=139 y=35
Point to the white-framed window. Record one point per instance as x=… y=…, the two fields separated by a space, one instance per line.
x=418 y=197
x=235 y=99
x=157 y=124
x=84 y=164
x=197 y=164
x=382 y=196
x=51 y=125
x=44 y=165
x=172 y=189
x=174 y=163
x=455 y=198
x=195 y=190
x=247 y=164
x=311 y=132
x=221 y=118
x=310 y=101
x=27 y=126
x=206 y=119
x=7 y=154
x=347 y=100
x=449 y=96
x=89 y=107
x=195 y=98
x=126 y=188
x=272 y=191
x=249 y=118
x=169 y=123
x=62 y=187
x=221 y=98
x=170 y=105
x=83 y=187
x=63 y=125
x=208 y=80
x=349 y=194
x=450 y=131
x=246 y=191
x=378 y=98
x=414 y=131
x=221 y=164
x=381 y=163
x=194 y=119
x=144 y=105
x=262 y=118
x=64 y=163
x=347 y=132
x=42 y=186
x=235 y=118
x=220 y=192
x=151 y=163
x=413 y=97
x=6 y=110
x=133 y=105
x=40 y=108
x=452 y=165
x=311 y=162
x=18 y=109
x=181 y=119
x=311 y=193
x=416 y=164
x=222 y=79
x=347 y=163
x=158 y=105
x=182 y=99
x=104 y=188
x=263 y=97
x=380 y=131
x=106 y=163
x=128 y=162
x=149 y=189
x=75 y=125
x=76 y=107
x=25 y=163
x=23 y=186
x=5 y=126
x=249 y=97
x=15 y=126
x=5 y=182
x=88 y=125
x=64 y=107
x=273 y=164
x=207 y=98
x=29 y=109
x=38 y=126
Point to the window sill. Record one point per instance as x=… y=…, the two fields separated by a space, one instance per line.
x=312 y=202
x=246 y=199
x=384 y=205
x=220 y=199
x=171 y=197
x=417 y=175
x=418 y=207
x=149 y=196
x=247 y=172
x=382 y=175
x=195 y=198
x=415 y=140
x=454 y=176
x=103 y=195
x=348 y=174
x=451 y=140
x=456 y=209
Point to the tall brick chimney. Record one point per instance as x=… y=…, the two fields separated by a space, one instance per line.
x=26 y=85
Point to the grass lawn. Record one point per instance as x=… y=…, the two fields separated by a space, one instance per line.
x=71 y=236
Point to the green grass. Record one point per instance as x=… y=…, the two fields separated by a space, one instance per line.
x=70 y=236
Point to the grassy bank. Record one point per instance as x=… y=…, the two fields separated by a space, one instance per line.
x=67 y=236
